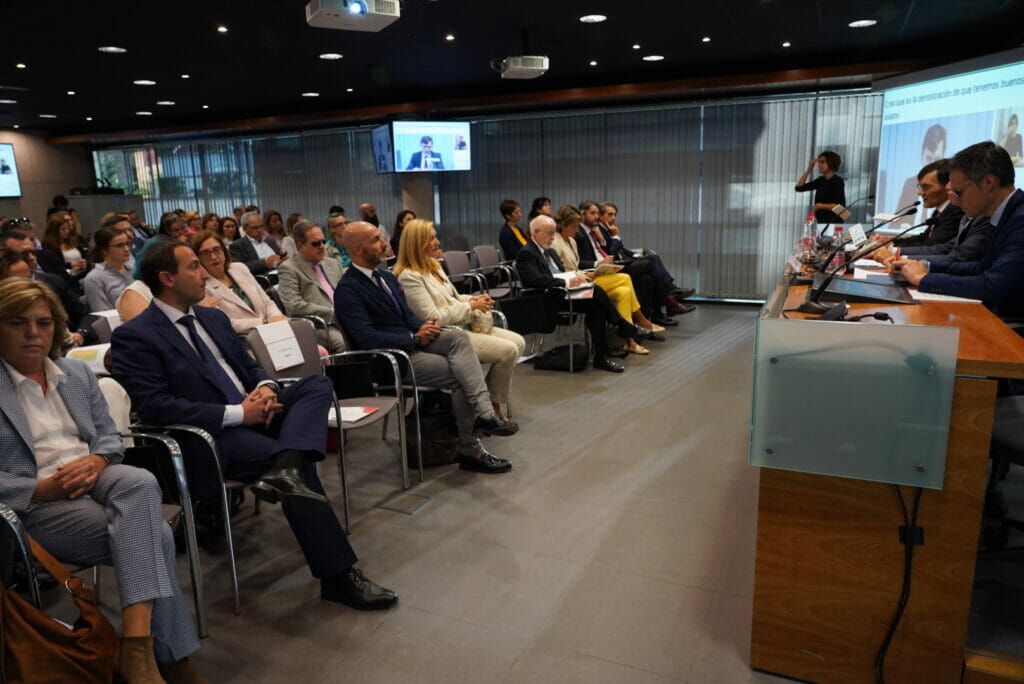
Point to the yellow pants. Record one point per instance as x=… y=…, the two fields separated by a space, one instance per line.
x=619 y=289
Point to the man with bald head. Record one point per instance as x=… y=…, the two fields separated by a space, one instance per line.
x=370 y=305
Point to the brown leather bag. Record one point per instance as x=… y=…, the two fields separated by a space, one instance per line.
x=37 y=649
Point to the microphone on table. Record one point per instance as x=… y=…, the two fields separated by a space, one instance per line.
x=812 y=305
x=844 y=212
x=905 y=211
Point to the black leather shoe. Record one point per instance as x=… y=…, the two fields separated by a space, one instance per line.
x=606 y=364
x=656 y=337
x=494 y=426
x=484 y=462
x=291 y=491
x=664 y=320
x=681 y=293
x=355 y=591
x=679 y=309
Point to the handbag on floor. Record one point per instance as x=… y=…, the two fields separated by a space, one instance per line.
x=438 y=430
x=37 y=648
x=558 y=358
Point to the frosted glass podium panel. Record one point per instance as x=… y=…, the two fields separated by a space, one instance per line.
x=869 y=402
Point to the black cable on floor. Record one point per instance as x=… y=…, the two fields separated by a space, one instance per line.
x=910 y=536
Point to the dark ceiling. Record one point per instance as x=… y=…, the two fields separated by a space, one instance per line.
x=269 y=56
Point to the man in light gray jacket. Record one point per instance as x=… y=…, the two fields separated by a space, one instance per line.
x=306 y=283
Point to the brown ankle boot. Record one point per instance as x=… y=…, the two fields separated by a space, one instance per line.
x=136 y=663
x=182 y=672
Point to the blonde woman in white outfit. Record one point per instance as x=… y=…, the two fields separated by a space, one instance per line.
x=431 y=295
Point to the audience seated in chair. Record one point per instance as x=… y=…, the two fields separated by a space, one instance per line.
x=183 y=363
x=431 y=296
x=371 y=306
x=401 y=221
x=68 y=289
x=537 y=265
x=231 y=287
x=253 y=248
x=336 y=223
x=306 y=283
x=60 y=471
x=511 y=238
x=618 y=286
x=110 y=276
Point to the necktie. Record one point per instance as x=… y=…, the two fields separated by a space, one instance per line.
x=391 y=295
x=424 y=161
x=217 y=373
x=552 y=266
x=597 y=244
x=325 y=284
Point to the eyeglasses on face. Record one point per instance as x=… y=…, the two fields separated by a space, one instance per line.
x=121 y=244
x=316 y=243
x=212 y=251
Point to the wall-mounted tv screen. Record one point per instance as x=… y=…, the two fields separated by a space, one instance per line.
x=932 y=119
x=431 y=146
x=10 y=185
x=383 y=152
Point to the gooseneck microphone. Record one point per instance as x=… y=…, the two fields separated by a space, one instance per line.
x=905 y=211
x=844 y=212
x=812 y=304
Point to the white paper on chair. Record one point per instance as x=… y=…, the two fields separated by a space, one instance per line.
x=351 y=414
x=113 y=318
x=283 y=348
x=92 y=356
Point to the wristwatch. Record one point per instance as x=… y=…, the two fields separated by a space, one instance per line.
x=416 y=342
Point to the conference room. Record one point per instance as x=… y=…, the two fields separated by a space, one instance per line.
x=431 y=341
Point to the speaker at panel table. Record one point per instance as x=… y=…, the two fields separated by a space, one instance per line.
x=425 y=158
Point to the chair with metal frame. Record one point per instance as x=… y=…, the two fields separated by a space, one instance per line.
x=460 y=272
x=489 y=264
x=171 y=514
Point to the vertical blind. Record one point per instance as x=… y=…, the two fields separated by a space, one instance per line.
x=708 y=186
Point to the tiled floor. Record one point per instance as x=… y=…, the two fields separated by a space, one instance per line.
x=620 y=549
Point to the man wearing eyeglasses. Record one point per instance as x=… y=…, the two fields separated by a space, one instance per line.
x=254 y=250
x=982 y=176
x=932 y=180
x=306 y=283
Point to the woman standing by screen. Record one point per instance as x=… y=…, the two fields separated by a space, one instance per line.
x=829 y=189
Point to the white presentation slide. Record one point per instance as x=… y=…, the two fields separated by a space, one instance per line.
x=10 y=186
x=935 y=119
x=431 y=146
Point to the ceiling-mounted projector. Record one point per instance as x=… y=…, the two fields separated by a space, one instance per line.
x=521 y=66
x=353 y=15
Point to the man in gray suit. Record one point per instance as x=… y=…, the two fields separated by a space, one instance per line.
x=61 y=473
x=306 y=283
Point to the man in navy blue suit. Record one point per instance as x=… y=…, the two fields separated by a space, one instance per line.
x=425 y=159
x=183 y=363
x=982 y=177
x=370 y=305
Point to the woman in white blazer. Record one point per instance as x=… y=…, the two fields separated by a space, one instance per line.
x=231 y=287
x=431 y=295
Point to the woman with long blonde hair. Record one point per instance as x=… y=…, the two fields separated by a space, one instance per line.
x=431 y=295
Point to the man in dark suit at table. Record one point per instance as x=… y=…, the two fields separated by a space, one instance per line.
x=254 y=249
x=425 y=159
x=183 y=363
x=370 y=305
x=982 y=176
x=932 y=181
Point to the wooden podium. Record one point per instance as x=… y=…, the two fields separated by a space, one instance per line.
x=829 y=565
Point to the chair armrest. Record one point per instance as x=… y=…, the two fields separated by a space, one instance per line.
x=17 y=528
x=386 y=354
x=188 y=430
x=500 y=319
x=318 y=323
x=177 y=462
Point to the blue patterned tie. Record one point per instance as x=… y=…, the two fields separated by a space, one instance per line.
x=220 y=377
x=391 y=295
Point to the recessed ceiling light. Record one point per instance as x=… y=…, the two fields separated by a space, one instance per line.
x=787 y=44
x=706 y=39
x=144 y=82
x=206 y=106
x=19 y=65
x=112 y=50
x=17 y=126
x=8 y=102
x=862 y=23
x=310 y=94
x=144 y=113
x=222 y=29
x=653 y=58
x=636 y=46
x=47 y=116
x=450 y=37
x=71 y=92
x=331 y=56
x=184 y=75
x=349 y=90
x=593 y=18
x=88 y=118
x=593 y=62
x=166 y=103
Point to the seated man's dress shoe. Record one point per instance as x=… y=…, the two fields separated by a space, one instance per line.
x=664 y=320
x=681 y=293
x=484 y=462
x=679 y=308
x=286 y=485
x=493 y=426
x=606 y=364
x=354 y=590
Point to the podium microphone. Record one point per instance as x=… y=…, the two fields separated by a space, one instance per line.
x=844 y=212
x=905 y=211
x=812 y=304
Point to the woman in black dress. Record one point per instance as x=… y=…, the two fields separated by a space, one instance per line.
x=829 y=189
